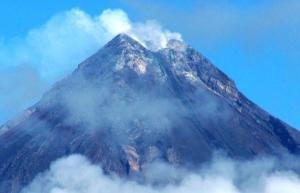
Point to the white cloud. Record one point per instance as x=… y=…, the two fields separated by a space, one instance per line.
x=284 y=182
x=69 y=37
x=115 y=21
x=75 y=174
x=57 y=47
x=153 y=35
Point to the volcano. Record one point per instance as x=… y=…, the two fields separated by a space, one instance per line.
x=127 y=106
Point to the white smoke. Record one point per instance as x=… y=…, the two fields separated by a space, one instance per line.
x=75 y=174
x=57 y=47
x=115 y=21
x=71 y=36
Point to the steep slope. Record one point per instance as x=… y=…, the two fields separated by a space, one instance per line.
x=127 y=106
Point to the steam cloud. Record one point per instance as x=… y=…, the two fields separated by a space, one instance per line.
x=54 y=49
x=71 y=36
x=75 y=174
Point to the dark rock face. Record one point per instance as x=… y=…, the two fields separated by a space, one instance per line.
x=127 y=106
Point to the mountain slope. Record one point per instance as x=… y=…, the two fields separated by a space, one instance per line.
x=127 y=106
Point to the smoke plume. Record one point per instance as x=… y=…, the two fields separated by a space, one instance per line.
x=54 y=49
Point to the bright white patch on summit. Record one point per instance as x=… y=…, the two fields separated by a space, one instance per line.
x=140 y=67
x=138 y=64
x=190 y=76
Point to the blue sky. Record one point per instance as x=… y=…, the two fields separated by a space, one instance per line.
x=257 y=43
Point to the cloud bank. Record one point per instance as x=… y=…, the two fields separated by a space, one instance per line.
x=75 y=174
x=54 y=49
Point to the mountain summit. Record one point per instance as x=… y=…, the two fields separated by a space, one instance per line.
x=127 y=106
